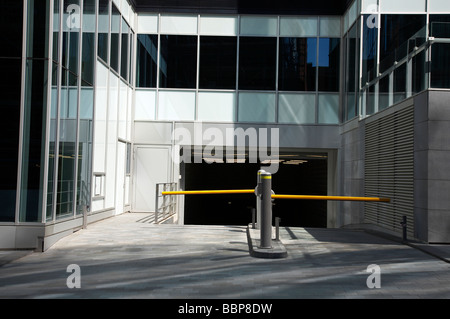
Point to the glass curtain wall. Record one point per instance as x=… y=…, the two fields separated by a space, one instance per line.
x=11 y=16
x=260 y=69
x=34 y=111
x=72 y=106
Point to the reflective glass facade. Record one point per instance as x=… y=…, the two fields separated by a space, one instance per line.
x=82 y=73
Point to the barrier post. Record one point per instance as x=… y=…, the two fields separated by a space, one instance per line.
x=266 y=210
x=258 y=199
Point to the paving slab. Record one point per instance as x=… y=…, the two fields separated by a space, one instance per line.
x=126 y=257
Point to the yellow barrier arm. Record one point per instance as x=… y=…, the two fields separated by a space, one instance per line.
x=275 y=196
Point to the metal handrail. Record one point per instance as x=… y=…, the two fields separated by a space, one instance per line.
x=168 y=204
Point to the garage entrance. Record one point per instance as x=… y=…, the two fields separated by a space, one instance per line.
x=301 y=173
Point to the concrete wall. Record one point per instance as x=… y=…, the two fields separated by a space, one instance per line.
x=351 y=172
x=432 y=166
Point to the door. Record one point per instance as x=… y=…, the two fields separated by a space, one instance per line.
x=152 y=167
x=120 y=178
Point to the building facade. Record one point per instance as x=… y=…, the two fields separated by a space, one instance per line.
x=104 y=99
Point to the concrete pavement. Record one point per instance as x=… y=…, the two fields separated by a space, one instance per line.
x=127 y=257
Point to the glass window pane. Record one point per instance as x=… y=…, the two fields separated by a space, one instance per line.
x=37 y=27
x=383 y=93
x=438 y=6
x=370 y=47
x=297 y=108
x=115 y=29
x=298 y=27
x=103 y=29
x=145 y=105
x=351 y=71
x=218 y=62
x=216 y=107
x=329 y=64
x=124 y=50
x=33 y=143
x=176 y=106
x=146 y=60
x=330 y=27
x=85 y=150
x=395 y=31
x=178 y=61
x=67 y=150
x=147 y=23
x=10 y=87
x=328 y=109
x=256 y=107
x=218 y=25
x=257 y=63
x=419 y=75
x=179 y=24
x=259 y=26
x=440 y=25
x=400 y=83
x=399 y=6
x=298 y=60
x=11 y=11
x=440 y=65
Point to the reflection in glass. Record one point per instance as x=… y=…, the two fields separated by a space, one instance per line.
x=103 y=29
x=10 y=87
x=218 y=62
x=396 y=29
x=369 y=53
x=146 y=60
x=351 y=71
x=33 y=141
x=88 y=43
x=85 y=150
x=257 y=63
x=329 y=57
x=124 y=50
x=297 y=64
x=11 y=12
x=67 y=151
x=419 y=75
x=400 y=83
x=178 y=61
x=383 y=93
x=115 y=30
x=440 y=65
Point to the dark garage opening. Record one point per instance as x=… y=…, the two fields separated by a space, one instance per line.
x=299 y=174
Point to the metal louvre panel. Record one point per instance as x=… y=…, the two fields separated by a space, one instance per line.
x=389 y=169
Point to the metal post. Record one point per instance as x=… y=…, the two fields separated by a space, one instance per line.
x=258 y=198
x=277 y=228
x=84 y=216
x=253 y=218
x=266 y=210
x=403 y=223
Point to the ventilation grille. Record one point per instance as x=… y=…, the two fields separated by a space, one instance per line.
x=389 y=170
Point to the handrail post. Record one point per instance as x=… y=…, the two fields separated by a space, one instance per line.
x=266 y=210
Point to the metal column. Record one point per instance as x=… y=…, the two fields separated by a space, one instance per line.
x=266 y=210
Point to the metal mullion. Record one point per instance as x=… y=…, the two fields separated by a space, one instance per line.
x=77 y=133
x=48 y=115
x=277 y=67
x=197 y=80
x=58 y=113
x=236 y=107
x=22 y=107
